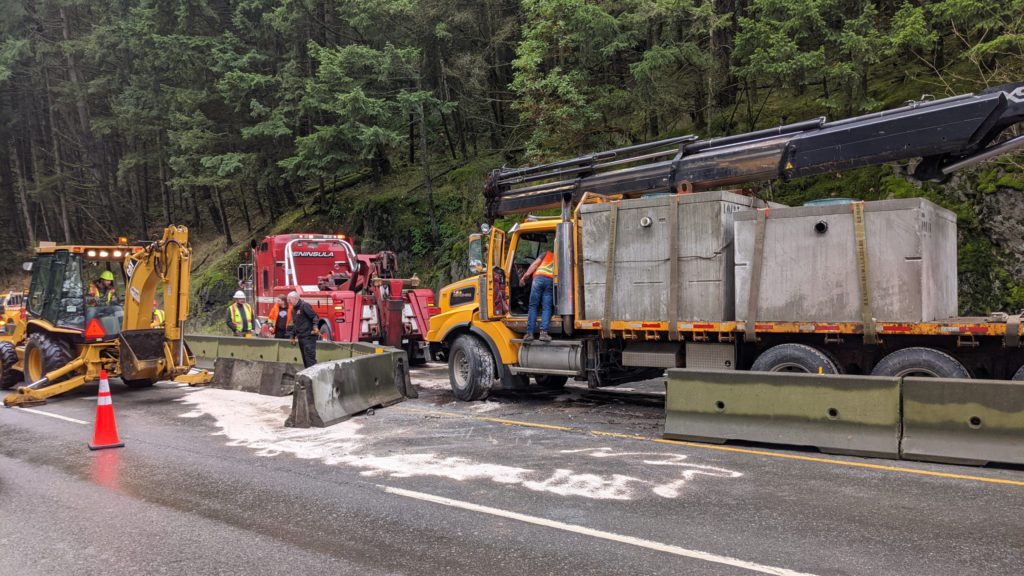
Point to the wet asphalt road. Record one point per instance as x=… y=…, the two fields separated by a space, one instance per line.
x=211 y=483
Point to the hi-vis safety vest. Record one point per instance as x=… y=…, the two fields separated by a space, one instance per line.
x=236 y=317
x=94 y=292
x=158 y=316
x=547 y=265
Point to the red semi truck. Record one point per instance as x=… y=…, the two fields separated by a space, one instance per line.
x=359 y=297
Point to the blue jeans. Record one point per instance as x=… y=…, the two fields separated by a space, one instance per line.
x=541 y=294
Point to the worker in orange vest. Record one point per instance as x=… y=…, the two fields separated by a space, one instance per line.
x=280 y=317
x=542 y=294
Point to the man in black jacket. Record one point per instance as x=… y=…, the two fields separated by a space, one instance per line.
x=305 y=328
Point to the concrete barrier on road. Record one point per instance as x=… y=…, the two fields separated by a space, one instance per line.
x=334 y=391
x=963 y=421
x=267 y=378
x=835 y=413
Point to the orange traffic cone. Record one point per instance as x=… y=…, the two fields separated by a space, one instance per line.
x=105 y=433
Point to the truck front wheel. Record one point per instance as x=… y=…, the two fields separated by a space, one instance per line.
x=470 y=368
x=791 y=357
x=918 y=361
x=1020 y=374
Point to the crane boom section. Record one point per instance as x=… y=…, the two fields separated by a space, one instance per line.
x=947 y=135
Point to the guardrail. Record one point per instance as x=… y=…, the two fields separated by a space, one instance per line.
x=930 y=419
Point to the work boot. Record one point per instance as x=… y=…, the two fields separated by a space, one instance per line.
x=545 y=337
x=528 y=338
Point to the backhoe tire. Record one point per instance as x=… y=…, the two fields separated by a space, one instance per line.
x=550 y=381
x=140 y=383
x=1019 y=375
x=8 y=358
x=45 y=353
x=470 y=368
x=791 y=357
x=919 y=361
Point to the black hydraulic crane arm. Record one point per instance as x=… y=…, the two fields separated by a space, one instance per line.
x=947 y=135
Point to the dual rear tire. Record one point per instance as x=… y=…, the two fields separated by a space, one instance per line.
x=914 y=361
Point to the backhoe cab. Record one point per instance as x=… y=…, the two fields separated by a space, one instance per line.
x=90 y=308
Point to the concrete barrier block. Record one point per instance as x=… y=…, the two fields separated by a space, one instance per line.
x=963 y=421
x=836 y=414
x=267 y=378
x=334 y=391
x=204 y=348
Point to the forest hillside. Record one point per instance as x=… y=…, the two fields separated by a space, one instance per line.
x=380 y=118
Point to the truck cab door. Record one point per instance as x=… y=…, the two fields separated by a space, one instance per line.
x=495 y=279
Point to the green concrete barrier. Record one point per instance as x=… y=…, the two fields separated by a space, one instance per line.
x=963 y=421
x=332 y=392
x=267 y=378
x=835 y=413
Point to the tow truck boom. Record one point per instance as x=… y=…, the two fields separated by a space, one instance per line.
x=948 y=135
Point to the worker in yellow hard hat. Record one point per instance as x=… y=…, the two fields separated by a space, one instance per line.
x=158 y=316
x=102 y=291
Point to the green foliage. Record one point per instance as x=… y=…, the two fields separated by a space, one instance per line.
x=312 y=115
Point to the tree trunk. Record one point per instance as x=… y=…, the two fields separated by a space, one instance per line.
x=26 y=211
x=245 y=210
x=165 y=190
x=426 y=175
x=223 y=216
x=412 y=139
x=58 y=162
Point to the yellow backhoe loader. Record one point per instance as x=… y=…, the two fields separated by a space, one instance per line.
x=90 y=308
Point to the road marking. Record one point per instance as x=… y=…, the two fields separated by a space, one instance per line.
x=52 y=415
x=611 y=536
x=817 y=460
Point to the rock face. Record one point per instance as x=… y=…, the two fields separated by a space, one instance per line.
x=991 y=240
x=1002 y=218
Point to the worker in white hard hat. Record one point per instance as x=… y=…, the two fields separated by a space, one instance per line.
x=241 y=319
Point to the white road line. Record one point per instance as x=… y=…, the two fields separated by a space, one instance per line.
x=52 y=415
x=668 y=548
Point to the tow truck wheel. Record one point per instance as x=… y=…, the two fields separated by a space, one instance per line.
x=918 y=361
x=470 y=368
x=8 y=358
x=45 y=353
x=792 y=357
x=1020 y=374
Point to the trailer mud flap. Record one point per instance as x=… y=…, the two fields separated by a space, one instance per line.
x=963 y=421
x=836 y=414
x=332 y=392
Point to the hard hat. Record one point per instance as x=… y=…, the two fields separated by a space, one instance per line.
x=239 y=295
x=107 y=275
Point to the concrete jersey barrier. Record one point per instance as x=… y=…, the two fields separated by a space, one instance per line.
x=842 y=415
x=931 y=419
x=963 y=421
